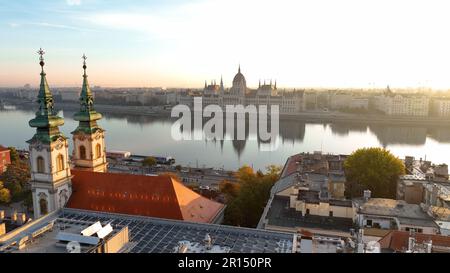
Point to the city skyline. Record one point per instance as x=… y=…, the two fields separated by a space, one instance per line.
x=183 y=43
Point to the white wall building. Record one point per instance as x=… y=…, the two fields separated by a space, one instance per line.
x=402 y=104
x=441 y=107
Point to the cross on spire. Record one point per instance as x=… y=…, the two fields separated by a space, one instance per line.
x=84 y=63
x=41 y=53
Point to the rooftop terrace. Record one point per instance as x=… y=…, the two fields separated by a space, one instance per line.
x=154 y=235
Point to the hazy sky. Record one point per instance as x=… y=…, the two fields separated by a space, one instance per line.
x=301 y=43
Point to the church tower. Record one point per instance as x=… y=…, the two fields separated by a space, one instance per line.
x=49 y=156
x=89 y=151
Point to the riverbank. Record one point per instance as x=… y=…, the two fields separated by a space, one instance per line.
x=336 y=117
x=308 y=116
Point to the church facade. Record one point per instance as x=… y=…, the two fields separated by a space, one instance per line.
x=49 y=154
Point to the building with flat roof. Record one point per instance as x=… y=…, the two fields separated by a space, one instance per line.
x=145 y=235
x=310 y=195
x=390 y=214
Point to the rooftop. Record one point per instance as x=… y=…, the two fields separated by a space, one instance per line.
x=440 y=213
x=154 y=235
x=398 y=241
x=280 y=214
x=155 y=196
x=404 y=212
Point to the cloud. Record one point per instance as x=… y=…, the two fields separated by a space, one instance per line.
x=50 y=25
x=73 y=2
x=13 y=24
x=312 y=42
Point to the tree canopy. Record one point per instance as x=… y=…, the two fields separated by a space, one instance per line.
x=374 y=169
x=14 y=155
x=149 y=161
x=250 y=197
x=15 y=179
x=5 y=195
x=229 y=189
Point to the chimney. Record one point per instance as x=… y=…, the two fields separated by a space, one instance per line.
x=367 y=195
x=411 y=244
x=208 y=240
x=429 y=246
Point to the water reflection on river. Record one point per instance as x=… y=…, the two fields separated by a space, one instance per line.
x=152 y=135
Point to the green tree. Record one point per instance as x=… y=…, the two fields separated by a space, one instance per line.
x=149 y=162
x=178 y=168
x=374 y=169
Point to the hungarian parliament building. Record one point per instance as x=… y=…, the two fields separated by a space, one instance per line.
x=239 y=94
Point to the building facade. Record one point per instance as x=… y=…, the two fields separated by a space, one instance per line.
x=267 y=94
x=49 y=155
x=89 y=152
x=393 y=104
x=441 y=107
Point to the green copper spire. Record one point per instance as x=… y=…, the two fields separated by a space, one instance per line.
x=87 y=116
x=86 y=98
x=46 y=121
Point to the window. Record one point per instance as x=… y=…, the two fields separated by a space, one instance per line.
x=82 y=152
x=369 y=223
x=331 y=214
x=307 y=212
x=43 y=206
x=60 y=163
x=98 y=151
x=40 y=164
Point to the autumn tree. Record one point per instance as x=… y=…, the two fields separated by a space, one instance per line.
x=5 y=195
x=254 y=190
x=374 y=169
x=13 y=154
x=229 y=189
x=16 y=178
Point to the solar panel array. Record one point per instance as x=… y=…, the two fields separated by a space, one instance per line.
x=151 y=235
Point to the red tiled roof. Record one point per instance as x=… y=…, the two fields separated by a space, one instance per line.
x=154 y=196
x=398 y=240
x=2 y=148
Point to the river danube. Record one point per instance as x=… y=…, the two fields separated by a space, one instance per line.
x=152 y=136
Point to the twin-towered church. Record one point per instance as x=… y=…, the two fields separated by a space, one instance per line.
x=86 y=184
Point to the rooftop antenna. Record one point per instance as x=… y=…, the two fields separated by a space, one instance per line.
x=321 y=145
